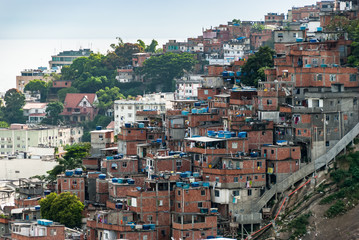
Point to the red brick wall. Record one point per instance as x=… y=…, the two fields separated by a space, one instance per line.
x=211 y=93
x=281 y=153
x=74 y=185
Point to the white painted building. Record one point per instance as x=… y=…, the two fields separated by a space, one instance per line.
x=125 y=110
x=21 y=137
x=187 y=87
x=235 y=49
x=34 y=111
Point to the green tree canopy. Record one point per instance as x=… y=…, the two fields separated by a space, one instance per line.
x=13 y=112
x=40 y=86
x=262 y=58
x=3 y=124
x=53 y=111
x=236 y=21
x=61 y=94
x=64 y=208
x=106 y=98
x=72 y=159
x=162 y=70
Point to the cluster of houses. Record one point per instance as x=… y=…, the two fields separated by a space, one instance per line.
x=198 y=166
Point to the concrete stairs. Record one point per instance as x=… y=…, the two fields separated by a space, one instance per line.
x=307 y=169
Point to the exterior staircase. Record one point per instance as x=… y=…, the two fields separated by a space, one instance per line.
x=307 y=169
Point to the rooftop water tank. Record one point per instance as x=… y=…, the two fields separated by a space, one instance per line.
x=102 y=176
x=98 y=127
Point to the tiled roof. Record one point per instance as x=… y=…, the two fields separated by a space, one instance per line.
x=73 y=99
x=32 y=105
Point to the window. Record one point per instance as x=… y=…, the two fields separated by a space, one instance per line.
x=272 y=151
x=269 y=102
x=236 y=193
x=294 y=35
x=259 y=164
x=249 y=192
x=179 y=193
x=353 y=77
x=199 y=204
x=124 y=164
x=203 y=193
x=179 y=205
x=235 y=179
x=178 y=162
x=216 y=193
x=315 y=61
x=299 y=132
x=129 y=107
x=130 y=115
x=332 y=77
x=234 y=145
x=74 y=182
x=53 y=232
x=319 y=77
x=149 y=217
x=280 y=35
x=256 y=177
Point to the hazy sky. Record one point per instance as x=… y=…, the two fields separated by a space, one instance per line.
x=127 y=19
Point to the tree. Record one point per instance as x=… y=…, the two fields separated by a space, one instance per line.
x=250 y=70
x=152 y=47
x=236 y=21
x=106 y=98
x=162 y=70
x=13 y=112
x=53 y=111
x=61 y=94
x=39 y=86
x=64 y=208
x=3 y=124
x=72 y=159
x=257 y=27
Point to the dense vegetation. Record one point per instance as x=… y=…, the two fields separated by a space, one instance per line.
x=64 y=208
x=253 y=69
x=347 y=181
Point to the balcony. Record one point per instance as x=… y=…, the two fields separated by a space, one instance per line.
x=206 y=150
x=210 y=222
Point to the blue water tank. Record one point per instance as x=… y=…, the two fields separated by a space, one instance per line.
x=141 y=125
x=194 y=110
x=69 y=173
x=98 y=127
x=313 y=40
x=242 y=134
x=189 y=173
x=183 y=175
x=37 y=207
x=197 y=104
x=78 y=171
x=211 y=133
x=185 y=113
x=303 y=28
x=102 y=176
x=47 y=192
x=159 y=140
x=127 y=125
x=228 y=135
x=319 y=29
x=109 y=158
x=233 y=134
x=146 y=227
x=254 y=154
x=195 y=184
x=205 y=184
x=179 y=184
x=115 y=180
x=119 y=205
x=196 y=174
x=221 y=134
x=225 y=74
x=130 y=181
x=299 y=40
x=120 y=180
x=152 y=226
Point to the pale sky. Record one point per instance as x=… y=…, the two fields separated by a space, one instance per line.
x=127 y=19
x=33 y=30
